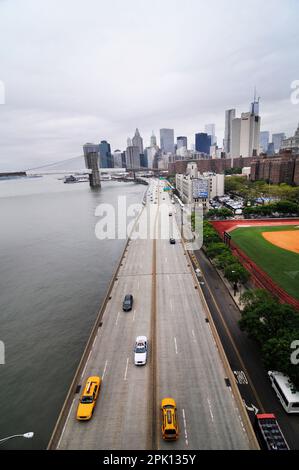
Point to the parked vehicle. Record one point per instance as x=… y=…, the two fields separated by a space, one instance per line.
x=269 y=434
x=285 y=391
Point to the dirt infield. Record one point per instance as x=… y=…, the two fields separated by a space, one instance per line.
x=288 y=240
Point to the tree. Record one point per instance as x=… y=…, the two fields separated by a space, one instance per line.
x=224 y=259
x=236 y=273
x=215 y=249
x=222 y=213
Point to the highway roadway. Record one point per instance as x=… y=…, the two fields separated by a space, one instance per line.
x=183 y=360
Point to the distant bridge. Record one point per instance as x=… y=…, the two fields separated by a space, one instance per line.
x=49 y=169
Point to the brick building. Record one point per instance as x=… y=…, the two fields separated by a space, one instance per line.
x=217 y=165
x=283 y=168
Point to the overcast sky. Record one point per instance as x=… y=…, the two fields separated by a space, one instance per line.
x=79 y=71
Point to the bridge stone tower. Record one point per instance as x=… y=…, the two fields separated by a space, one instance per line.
x=91 y=156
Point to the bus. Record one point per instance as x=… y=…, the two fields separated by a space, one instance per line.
x=285 y=391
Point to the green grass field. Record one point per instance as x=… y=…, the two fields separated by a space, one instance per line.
x=281 y=265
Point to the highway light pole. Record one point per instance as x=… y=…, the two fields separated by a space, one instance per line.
x=27 y=435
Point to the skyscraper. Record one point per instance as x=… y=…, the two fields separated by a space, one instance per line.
x=181 y=142
x=202 y=142
x=264 y=140
x=132 y=157
x=277 y=141
x=250 y=134
x=167 y=140
x=210 y=130
x=235 y=138
x=105 y=156
x=153 y=140
x=137 y=141
x=230 y=114
x=117 y=159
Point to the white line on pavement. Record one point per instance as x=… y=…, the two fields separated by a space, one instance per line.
x=175 y=345
x=193 y=334
x=86 y=364
x=95 y=340
x=185 y=427
x=134 y=315
x=126 y=371
x=210 y=408
x=116 y=321
x=104 y=371
x=66 y=423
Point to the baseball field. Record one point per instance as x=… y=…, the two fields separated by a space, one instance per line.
x=275 y=249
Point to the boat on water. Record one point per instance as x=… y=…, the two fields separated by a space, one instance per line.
x=105 y=177
x=75 y=179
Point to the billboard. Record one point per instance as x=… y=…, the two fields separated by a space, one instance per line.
x=200 y=188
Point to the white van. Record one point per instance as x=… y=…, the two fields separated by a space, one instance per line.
x=286 y=392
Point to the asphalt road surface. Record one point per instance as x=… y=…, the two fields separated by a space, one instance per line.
x=183 y=360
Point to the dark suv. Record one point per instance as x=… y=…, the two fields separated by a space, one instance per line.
x=128 y=303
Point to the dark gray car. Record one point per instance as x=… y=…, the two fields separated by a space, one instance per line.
x=128 y=303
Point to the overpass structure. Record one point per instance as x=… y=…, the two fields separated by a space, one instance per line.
x=185 y=360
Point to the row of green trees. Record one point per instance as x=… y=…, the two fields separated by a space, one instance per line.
x=221 y=213
x=275 y=327
x=280 y=207
x=251 y=190
x=220 y=253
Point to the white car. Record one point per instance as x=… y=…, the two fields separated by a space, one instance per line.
x=140 y=351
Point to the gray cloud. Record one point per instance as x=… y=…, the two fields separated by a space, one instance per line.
x=78 y=71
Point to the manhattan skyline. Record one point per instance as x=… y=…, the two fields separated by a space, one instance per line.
x=69 y=77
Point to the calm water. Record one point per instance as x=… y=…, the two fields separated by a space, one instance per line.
x=53 y=276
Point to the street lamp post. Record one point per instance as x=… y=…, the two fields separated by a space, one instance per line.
x=27 y=435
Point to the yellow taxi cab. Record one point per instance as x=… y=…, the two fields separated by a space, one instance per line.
x=88 y=398
x=170 y=428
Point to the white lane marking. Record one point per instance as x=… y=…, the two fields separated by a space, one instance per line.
x=210 y=408
x=193 y=334
x=138 y=285
x=168 y=278
x=165 y=259
x=65 y=423
x=134 y=315
x=126 y=371
x=95 y=340
x=86 y=364
x=175 y=345
x=104 y=371
x=116 y=321
x=185 y=427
